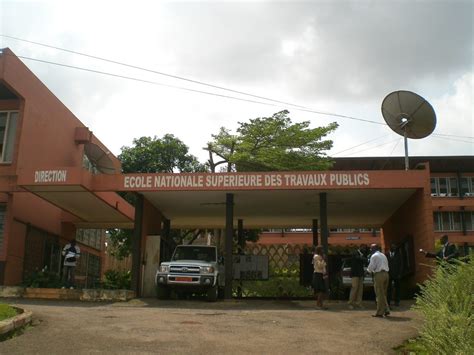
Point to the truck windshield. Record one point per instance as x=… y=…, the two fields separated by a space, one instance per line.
x=195 y=253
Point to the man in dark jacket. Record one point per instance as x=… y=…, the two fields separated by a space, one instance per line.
x=358 y=260
x=394 y=274
x=447 y=253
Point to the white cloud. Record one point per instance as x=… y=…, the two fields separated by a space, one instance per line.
x=341 y=57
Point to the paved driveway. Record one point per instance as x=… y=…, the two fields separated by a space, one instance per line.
x=149 y=326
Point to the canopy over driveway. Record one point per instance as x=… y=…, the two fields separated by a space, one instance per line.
x=270 y=199
x=276 y=199
x=279 y=209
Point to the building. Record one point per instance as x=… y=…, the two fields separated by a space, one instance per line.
x=37 y=130
x=452 y=189
x=58 y=181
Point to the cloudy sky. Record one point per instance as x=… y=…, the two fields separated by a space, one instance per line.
x=340 y=57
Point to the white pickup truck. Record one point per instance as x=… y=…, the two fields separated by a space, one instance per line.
x=192 y=269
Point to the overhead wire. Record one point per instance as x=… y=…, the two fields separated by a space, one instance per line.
x=451 y=135
x=388 y=157
x=297 y=107
x=212 y=94
x=358 y=145
x=144 y=80
x=452 y=139
x=370 y=148
x=300 y=107
x=194 y=90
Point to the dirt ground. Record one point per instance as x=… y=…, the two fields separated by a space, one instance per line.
x=149 y=326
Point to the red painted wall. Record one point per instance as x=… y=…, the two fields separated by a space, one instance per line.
x=45 y=137
x=414 y=218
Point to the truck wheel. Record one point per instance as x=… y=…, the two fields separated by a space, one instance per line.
x=162 y=292
x=212 y=294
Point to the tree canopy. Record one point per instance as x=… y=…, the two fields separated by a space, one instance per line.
x=151 y=155
x=158 y=155
x=271 y=144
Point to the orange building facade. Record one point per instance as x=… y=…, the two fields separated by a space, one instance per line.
x=37 y=130
x=58 y=181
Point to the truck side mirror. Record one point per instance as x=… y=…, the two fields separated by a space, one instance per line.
x=220 y=260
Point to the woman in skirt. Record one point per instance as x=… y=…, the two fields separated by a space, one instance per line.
x=319 y=284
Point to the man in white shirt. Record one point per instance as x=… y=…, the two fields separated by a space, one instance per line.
x=379 y=267
x=71 y=253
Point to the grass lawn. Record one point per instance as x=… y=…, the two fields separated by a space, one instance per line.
x=6 y=311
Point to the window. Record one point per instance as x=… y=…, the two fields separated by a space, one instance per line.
x=453 y=187
x=469 y=220
x=456 y=221
x=90 y=237
x=444 y=186
x=434 y=187
x=465 y=186
x=447 y=221
x=437 y=221
x=8 y=122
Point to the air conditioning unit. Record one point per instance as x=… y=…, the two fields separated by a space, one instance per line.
x=469 y=194
x=442 y=195
x=433 y=194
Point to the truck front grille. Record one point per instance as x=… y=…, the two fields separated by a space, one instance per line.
x=184 y=269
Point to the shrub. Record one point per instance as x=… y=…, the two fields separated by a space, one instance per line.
x=282 y=283
x=117 y=280
x=446 y=302
x=43 y=279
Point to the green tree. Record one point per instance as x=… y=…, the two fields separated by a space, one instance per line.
x=223 y=146
x=159 y=155
x=120 y=240
x=272 y=144
x=151 y=155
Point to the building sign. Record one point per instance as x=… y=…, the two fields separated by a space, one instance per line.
x=252 y=181
x=250 y=267
x=50 y=176
x=352 y=237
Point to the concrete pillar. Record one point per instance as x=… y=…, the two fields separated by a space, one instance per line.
x=166 y=244
x=136 y=245
x=229 y=233
x=323 y=212
x=315 y=232
x=240 y=235
x=151 y=262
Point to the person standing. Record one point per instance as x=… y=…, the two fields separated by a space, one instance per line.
x=394 y=274
x=71 y=253
x=447 y=253
x=319 y=275
x=379 y=267
x=358 y=261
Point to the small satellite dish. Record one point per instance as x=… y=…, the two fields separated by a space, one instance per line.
x=99 y=158
x=409 y=115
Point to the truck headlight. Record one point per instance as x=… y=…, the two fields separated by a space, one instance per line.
x=207 y=270
x=164 y=268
